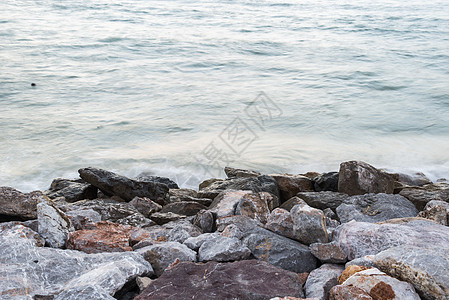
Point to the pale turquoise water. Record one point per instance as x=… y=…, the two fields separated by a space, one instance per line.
x=152 y=85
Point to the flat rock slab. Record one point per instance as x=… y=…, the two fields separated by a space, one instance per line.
x=323 y=200
x=420 y=196
x=243 y=280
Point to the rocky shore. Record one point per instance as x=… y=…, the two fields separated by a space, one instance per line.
x=359 y=233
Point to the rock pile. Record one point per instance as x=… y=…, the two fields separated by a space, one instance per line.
x=359 y=233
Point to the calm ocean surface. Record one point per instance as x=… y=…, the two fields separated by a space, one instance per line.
x=171 y=87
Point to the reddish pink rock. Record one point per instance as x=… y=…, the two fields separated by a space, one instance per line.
x=280 y=221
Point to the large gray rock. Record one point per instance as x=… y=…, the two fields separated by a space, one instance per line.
x=323 y=200
x=27 y=270
x=71 y=190
x=309 y=224
x=114 y=184
x=247 y=279
x=280 y=221
x=53 y=225
x=222 y=249
x=195 y=243
x=257 y=184
x=437 y=211
x=375 y=208
x=420 y=196
x=426 y=269
x=358 y=178
x=290 y=185
x=226 y=202
x=15 y=205
x=321 y=280
x=164 y=254
x=181 y=231
x=358 y=239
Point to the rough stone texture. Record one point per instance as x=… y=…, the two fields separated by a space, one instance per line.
x=381 y=286
x=160 y=256
x=358 y=239
x=18 y=206
x=280 y=221
x=420 y=196
x=53 y=225
x=290 y=185
x=14 y=230
x=226 y=202
x=178 y=195
x=309 y=224
x=248 y=279
x=328 y=253
x=163 y=218
x=358 y=178
x=288 y=205
x=349 y=271
x=348 y=292
x=207 y=183
x=321 y=280
x=255 y=206
x=195 y=243
x=183 y=231
x=205 y=220
x=425 y=269
x=148 y=177
x=437 y=211
x=232 y=231
x=329 y=213
x=187 y=208
x=27 y=270
x=365 y=261
x=101 y=237
x=145 y=206
x=323 y=200
x=114 y=184
x=244 y=223
x=375 y=208
x=326 y=182
x=222 y=249
x=263 y=183
x=71 y=190
x=239 y=173
x=417 y=179
x=81 y=217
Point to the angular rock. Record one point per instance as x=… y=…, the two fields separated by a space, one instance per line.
x=329 y=213
x=178 y=195
x=81 y=292
x=53 y=225
x=239 y=173
x=205 y=220
x=288 y=205
x=417 y=179
x=280 y=221
x=71 y=190
x=28 y=271
x=248 y=279
x=326 y=182
x=375 y=208
x=160 y=256
x=147 y=177
x=420 y=196
x=348 y=292
x=328 y=253
x=257 y=184
x=15 y=205
x=244 y=223
x=358 y=178
x=226 y=202
x=349 y=271
x=163 y=218
x=232 y=231
x=309 y=224
x=381 y=286
x=425 y=269
x=358 y=239
x=187 y=208
x=323 y=200
x=321 y=280
x=364 y=261
x=437 y=211
x=207 y=183
x=255 y=206
x=195 y=243
x=15 y=230
x=145 y=206
x=183 y=231
x=222 y=249
x=81 y=217
x=114 y=184
x=290 y=185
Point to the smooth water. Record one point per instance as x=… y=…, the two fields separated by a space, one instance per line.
x=171 y=87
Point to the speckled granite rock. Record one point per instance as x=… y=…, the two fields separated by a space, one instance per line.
x=53 y=225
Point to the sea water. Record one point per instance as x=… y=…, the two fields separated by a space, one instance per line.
x=182 y=88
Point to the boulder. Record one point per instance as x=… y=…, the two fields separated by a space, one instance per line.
x=226 y=202
x=437 y=211
x=349 y=271
x=81 y=217
x=232 y=231
x=195 y=243
x=29 y=272
x=222 y=249
x=290 y=185
x=240 y=173
x=163 y=218
x=326 y=182
x=244 y=223
x=145 y=206
x=328 y=253
x=358 y=239
x=321 y=280
x=425 y=268
x=15 y=230
x=348 y=292
x=365 y=261
x=187 y=208
x=123 y=187
x=381 y=286
x=15 y=205
x=358 y=178
x=255 y=206
x=375 y=208
x=280 y=221
x=420 y=196
x=182 y=231
x=263 y=183
x=148 y=177
x=205 y=220
x=247 y=279
x=53 y=225
x=416 y=179
x=323 y=200
x=309 y=224
x=160 y=256
x=71 y=190
x=288 y=205
x=178 y=195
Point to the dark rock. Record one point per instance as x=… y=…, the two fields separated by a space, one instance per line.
x=72 y=190
x=280 y=221
x=329 y=213
x=348 y=292
x=207 y=183
x=114 y=184
x=323 y=200
x=145 y=206
x=358 y=178
x=195 y=243
x=290 y=185
x=163 y=218
x=321 y=280
x=328 y=253
x=288 y=205
x=375 y=208
x=437 y=211
x=309 y=224
x=81 y=217
x=420 y=196
x=183 y=208
x=326 y=182
x=205 y=220
x=178 y=195
x=18 y=206
x=147 y=177
x=248 y=279
x=239 y=173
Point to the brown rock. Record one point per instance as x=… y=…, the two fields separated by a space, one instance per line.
x=255 y=206
x=280 y=221
x=162 y=218
x=235 y=173
x=248 y=279
x=348 y=292
x=208 y=182
x=349 y=271
x=328 y=253
x=290 y=185
x=437 y=211
x=145 y=206
x=185 y=208
x=420 y=196
x=358 y=178
x=288 y=205
x=15 y=205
